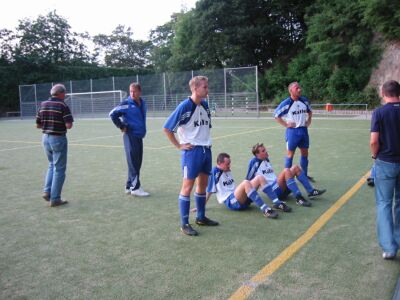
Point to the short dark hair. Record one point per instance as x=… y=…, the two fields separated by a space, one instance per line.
x=391 y=88
x=221 y=157
x=136 y=85
x=256 y=148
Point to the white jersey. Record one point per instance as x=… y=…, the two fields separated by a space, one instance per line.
x=294 y=111
x=261 y=167
x=221 y=183
x=191 y=122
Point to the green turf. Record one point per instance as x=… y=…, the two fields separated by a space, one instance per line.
x=107 y=245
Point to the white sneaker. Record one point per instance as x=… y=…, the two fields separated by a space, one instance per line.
x=139 y=193
x=128 y=191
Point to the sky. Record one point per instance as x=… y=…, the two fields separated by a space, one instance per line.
x=97 y=17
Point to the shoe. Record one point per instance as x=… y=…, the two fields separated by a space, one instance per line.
x=303 y=202
x=58 y=203
x=270 y=213
x=311 y=178
x=139 y=193
x=388 y=255
x=206 y=222
x=370 y=182
x=188 y=230
x=46 y=196
x=315 y=193
x=128 y=190
x=282 y=206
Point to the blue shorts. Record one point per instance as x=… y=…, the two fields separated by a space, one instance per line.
x=233 y=204
x=297 y=137
x=195 y=161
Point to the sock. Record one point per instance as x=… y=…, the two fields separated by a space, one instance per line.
x=292 y=185
x=304 y=163
x=288 y=162
x=305 y=182
x=184 y=208
x=257 y=200
x=270 y=192
x=200 y=205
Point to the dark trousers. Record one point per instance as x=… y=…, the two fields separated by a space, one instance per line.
x=134 y=157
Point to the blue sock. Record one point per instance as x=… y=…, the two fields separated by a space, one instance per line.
x=270 y=192
x=257 y=200
x=292 y=185
x=304 y=163
x=305 y=182
x=184 y=208
x=288 y=162
x=200 y=205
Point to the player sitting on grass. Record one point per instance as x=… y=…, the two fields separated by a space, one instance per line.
x=283 y=184
x=235 y=198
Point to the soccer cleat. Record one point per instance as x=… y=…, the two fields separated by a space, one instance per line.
x=387 y=255
x=46 y=196
x=188 y=230
x=315 y=193
x=139 y=193
x=58 y=203
x=370 y=182
x=206 y=222
x=303 y=202
x=282 y=206
x=270 y=213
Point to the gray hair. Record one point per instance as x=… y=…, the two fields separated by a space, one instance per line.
x=57 y=89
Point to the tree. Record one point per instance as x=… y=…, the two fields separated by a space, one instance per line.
x=48 y=40
x=121 y=50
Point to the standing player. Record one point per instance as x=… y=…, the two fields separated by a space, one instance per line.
x=295 y=114
x=222 y=183
x=283 y=184
x=192 y=122
x=130 y=117
x=54 y=118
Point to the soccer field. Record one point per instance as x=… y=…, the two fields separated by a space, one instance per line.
x=107 y=245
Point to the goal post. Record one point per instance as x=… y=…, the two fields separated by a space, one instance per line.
x=94 y=103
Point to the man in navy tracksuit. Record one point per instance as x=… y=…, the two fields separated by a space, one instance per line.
x=130 y=117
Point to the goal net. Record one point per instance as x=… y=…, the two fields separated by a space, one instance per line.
x=94 y=103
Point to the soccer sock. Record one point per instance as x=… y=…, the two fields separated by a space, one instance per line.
x=200 y=205
x=270 y=192
x=292 y=185
x=288 y=162
x=184 y=208
x=253 y=195
x=304 y=163
x=305 y=182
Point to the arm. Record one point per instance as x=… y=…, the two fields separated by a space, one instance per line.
x=284 y=123
x=172 y=138
x=308 y=123
x=374 y=143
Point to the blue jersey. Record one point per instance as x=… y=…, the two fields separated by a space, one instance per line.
x=386 y=121
x=192 y=123
x=128 y=114
x=261 y=167
x=294 y=111
x=221 y=183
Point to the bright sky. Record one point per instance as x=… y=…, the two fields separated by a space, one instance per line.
x=97 y=17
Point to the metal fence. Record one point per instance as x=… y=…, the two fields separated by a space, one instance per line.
x=232 y=92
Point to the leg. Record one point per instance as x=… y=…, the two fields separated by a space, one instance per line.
x=49 y=173
x=59 y=146
x=200 y=195
x=304 y=159
x=134 y=154
x=385 y=183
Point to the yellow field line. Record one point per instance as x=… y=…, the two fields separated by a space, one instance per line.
x=246 y=289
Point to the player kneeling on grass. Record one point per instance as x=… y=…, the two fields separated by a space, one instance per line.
x=235 y=198
x=283 y=184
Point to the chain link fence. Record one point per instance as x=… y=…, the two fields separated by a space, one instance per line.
x=232 y=92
